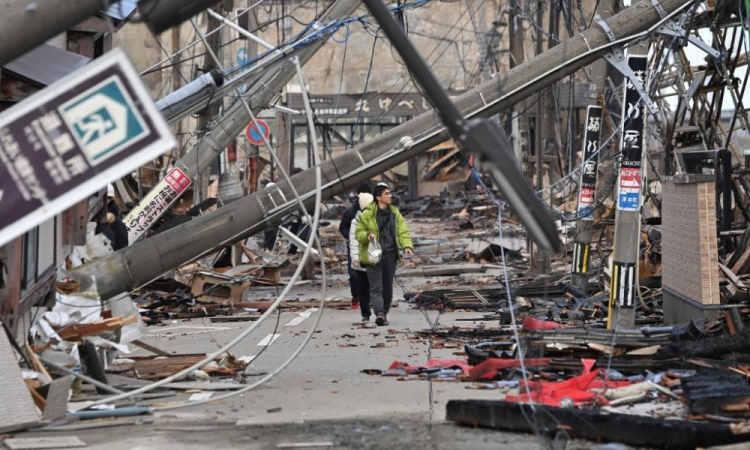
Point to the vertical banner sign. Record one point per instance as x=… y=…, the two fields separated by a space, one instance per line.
x=631 y=141
x=161 y=197
x=69 y=140
x=587 y=192
x=630 y=180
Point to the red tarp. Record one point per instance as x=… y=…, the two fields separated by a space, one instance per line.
x=578 y=389
x=531 y=323
x=489 y=368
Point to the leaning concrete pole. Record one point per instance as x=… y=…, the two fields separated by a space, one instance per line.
x=199 y=157
x=26 y=24
x=585 y=226
x=623 y=287
x=144 y=261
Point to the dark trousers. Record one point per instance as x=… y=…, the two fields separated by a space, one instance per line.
x=381 y=277
x=352 y=273
x=269 y=237
x=363 y=293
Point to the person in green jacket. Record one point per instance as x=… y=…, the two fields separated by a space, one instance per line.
x=383 y=222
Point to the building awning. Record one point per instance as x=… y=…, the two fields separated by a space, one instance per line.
x=45 y=64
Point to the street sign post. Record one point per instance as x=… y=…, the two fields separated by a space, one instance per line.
x=257 y=131
x=591 y=162
x=587 y=191
x=72 y=138
x=625 y=255
x=632 y=140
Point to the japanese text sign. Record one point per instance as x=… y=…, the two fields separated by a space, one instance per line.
x=632 y=139
x=166 y=192
x=72 y=138
x=590 y=167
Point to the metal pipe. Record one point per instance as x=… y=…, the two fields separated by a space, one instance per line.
x=105 y=413
x=242 y=31
x=83 y=377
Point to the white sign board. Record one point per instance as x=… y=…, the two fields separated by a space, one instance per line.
x=161 y=197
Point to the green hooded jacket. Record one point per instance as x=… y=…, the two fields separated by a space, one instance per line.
x=368 y=224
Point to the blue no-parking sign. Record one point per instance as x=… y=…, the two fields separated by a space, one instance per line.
x=257 y=132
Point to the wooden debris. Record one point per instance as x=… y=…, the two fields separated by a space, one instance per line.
x=78 y=331
x=38 y=366
x=150 y=348
x=442 y=270
x=234 y=318
x=716 y=392
x=68 y=287
x=39 y=400
x=154 y=368
x=629 y=429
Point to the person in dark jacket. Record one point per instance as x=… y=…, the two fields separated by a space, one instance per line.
x=344 y=227
x=271 y=232
x=111 y=225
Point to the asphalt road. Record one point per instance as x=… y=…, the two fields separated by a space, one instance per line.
x=322 y=400
x=326 y=381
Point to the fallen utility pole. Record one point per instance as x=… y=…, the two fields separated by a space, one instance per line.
x=236 y=118
x=144 y=261
x=26 y=24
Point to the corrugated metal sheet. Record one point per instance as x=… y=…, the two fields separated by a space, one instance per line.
x=45 y=64
x=18 y=408
x=121 y=10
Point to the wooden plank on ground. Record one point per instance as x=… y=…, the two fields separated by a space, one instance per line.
x=80 y=330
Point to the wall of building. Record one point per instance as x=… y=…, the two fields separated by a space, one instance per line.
x=432 y=28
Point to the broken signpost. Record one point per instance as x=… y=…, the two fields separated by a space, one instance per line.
x=72 y=138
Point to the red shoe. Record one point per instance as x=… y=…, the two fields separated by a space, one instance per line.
x=355 y=303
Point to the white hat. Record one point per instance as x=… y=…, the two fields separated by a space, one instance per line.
x=364 y=200
x=110 y=191
x=382 y=183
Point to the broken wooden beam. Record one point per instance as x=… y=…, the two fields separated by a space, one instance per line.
x=80 y=330
x=150 y=348
x=439 y=271
x=713 y=391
